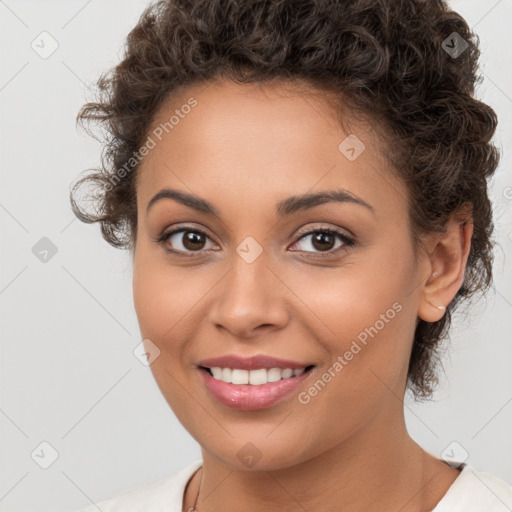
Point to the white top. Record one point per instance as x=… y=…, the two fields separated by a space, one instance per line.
x=472 y=491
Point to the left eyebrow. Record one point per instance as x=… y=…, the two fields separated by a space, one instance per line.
x=307 y=201
x=283 y=208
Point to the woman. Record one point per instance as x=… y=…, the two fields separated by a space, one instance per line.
x=303 y=189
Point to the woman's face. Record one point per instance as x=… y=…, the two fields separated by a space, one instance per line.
x=259 y=277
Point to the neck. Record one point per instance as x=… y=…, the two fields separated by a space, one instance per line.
x=379 y=463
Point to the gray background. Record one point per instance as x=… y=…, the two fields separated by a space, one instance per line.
x=68 y=374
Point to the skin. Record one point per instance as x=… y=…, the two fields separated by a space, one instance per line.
x=244 y=148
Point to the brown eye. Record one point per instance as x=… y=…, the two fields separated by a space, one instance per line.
x=324 y=241
x=193 y=240
x=185 y=240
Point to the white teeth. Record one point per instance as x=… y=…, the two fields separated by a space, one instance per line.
x=253 y=377
x=240 y=377
x=217 y=372
x=257 y=377
x=286 y=374
x=273 y=375
x=226 y=374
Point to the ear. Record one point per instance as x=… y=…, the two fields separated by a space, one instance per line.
x=447 y=256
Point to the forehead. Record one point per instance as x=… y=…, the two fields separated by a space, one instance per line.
x=261 y=140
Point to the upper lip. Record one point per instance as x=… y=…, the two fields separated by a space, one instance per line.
x=251 y=363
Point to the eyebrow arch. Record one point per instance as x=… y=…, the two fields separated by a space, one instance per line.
x=306 y=201
x=283 y=208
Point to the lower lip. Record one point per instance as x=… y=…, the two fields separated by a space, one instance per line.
x=248 y=397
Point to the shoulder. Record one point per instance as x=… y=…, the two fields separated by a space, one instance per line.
x=476 y=491
x=161 y=495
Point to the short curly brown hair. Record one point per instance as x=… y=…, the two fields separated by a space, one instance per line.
x=411 y=65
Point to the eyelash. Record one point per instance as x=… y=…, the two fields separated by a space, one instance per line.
x=348 y=241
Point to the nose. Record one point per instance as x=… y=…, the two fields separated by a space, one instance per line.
x=250 y=300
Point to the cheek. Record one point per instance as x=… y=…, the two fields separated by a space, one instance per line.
x=362 y=327
x=163 y=295
x=161 y=308
x=367 y=346
x=363 y=316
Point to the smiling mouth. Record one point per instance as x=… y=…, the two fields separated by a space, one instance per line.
x=258 y=377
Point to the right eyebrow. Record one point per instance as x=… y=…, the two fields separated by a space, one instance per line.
x=190 y=200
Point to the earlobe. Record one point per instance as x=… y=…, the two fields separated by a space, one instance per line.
x=441 y=308
x=431 y=311
x=448 y=257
